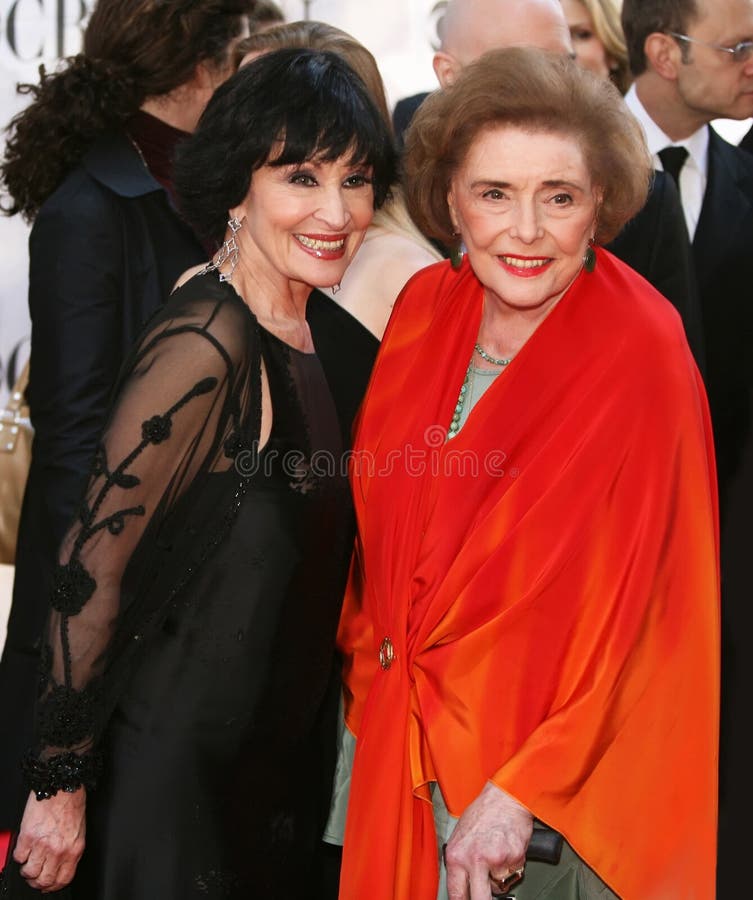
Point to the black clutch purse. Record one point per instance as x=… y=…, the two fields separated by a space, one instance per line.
x=545 y=845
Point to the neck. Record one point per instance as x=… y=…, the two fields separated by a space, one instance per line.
x=661 y=101
x=181 y=108
x=277 y=302
x=504 y=330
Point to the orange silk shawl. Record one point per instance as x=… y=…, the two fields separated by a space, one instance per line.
x=549 y=581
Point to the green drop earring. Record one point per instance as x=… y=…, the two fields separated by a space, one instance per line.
x=589 y=258
x=456 y=251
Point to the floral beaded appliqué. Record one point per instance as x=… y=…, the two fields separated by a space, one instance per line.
x=66 y=714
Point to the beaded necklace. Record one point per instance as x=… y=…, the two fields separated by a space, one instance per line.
x=465 y=387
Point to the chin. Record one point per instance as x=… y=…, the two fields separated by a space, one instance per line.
x=325 y=281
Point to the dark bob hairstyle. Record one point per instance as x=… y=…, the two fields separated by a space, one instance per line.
x=535 y=91
x=286 y=107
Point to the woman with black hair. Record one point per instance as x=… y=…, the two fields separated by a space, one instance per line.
x=197 y=597
x=89 y=161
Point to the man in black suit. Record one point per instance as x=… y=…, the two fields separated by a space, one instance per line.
x=693 y=62
x=655 y=243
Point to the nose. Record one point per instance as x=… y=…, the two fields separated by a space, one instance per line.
x=526 y=225
x=333 y=208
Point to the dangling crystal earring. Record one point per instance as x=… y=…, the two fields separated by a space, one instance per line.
x=335 y=287
x=228 y=251
x=589 y=258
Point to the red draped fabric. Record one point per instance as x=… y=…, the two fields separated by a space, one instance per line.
x=4 y=846
x=549 y=581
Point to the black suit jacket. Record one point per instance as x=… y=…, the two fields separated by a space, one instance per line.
x=747 y=142
x=723 y=256
x=105 y=251
x=654 y=243
x=723 y=253
x=404 y=111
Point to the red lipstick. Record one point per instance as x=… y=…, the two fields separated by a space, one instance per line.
x=323 y=246
x=524 y=266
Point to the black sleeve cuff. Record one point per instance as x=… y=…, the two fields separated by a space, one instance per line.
x=62 y=772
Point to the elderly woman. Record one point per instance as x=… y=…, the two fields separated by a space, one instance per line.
x=89 y=161
x=196 y=601
x=394 y=249
x=531 y=623
x=348 y=320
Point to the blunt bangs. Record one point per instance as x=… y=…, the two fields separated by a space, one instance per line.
x=329 y=121
x=284 y=108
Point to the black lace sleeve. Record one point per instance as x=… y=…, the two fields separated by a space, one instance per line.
x=178 y=410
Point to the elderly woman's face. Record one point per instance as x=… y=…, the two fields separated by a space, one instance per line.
x=590 y=53
x=306 y=221
x=525 y=207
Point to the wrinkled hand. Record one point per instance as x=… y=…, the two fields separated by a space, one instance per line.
x=490 y=839
x=51 y=839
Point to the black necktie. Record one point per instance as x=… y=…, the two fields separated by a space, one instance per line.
x=673 y=159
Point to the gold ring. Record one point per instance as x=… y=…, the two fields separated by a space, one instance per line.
x=503 y=885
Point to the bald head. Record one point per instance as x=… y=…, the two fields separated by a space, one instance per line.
x=472 y=27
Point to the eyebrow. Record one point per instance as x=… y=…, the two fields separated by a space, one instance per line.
x=550 y=183
x=489 y=182
x=562 y=183
x=735 y=40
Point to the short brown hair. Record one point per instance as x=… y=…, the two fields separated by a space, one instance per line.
x=640 y=18
x=309 y=35
x=537 y=91
x=264 y=14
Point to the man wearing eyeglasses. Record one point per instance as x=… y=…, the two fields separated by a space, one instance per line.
x=693 y=62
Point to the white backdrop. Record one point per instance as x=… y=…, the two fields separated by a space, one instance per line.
x=398 y=32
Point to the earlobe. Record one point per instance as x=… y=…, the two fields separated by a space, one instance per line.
x=238 y=213
x=451 y=211
x=599 y=199
x=202 y=76
x=445 y=68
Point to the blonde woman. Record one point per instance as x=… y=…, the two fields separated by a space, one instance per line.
x=598 y=41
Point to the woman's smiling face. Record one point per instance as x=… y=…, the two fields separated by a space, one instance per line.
x=306 y=220
x=525 y=207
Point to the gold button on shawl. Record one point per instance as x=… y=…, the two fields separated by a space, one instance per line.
x=386 y=653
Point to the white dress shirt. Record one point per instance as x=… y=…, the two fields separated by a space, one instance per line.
x=693 y=175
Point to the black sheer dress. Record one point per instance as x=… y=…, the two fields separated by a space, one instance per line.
x=195 y=612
